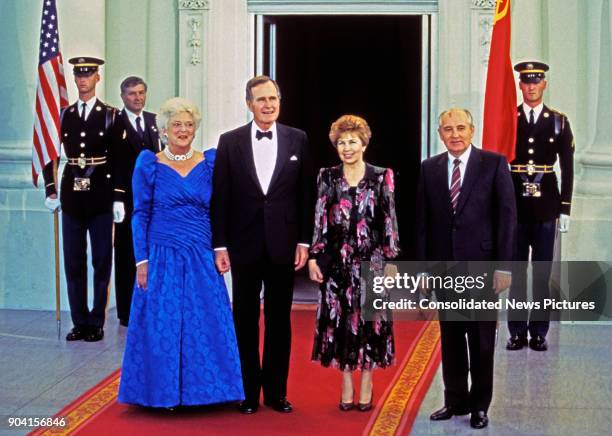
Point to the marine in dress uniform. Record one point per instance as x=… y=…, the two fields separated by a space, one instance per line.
x=543 y=136
x=135 y=130
x=86 y=197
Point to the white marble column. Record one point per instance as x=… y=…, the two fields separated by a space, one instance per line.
x=590 y=236
x=192 y=57
x=464 y=35
x=26 y=229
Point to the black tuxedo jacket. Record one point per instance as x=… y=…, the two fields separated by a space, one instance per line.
x=484 y=227
x=248 y=222
x=127 y=145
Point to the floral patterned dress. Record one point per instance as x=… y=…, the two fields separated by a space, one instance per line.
x=353 y=225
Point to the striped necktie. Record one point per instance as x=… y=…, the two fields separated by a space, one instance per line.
x=455 y=187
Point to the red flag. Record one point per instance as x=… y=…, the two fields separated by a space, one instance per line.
x=499 y=127
x=51 y=93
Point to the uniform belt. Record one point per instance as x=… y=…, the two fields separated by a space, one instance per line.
x=532 y=169
x=83 y=162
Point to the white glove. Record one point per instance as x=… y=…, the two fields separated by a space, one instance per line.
x=118 y=211
x=52 y=204
x=564 y=223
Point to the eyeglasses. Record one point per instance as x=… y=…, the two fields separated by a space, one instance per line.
x=177 y=125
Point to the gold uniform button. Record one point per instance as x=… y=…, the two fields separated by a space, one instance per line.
x=551 y=140
x=530 y=151
x=65 y=135
x=82 y=134
x=546 y=115
x=108 y=176
x=82 y=154
x=530 y=162
x=530 y=140
x=82 y=145
x=101 y=133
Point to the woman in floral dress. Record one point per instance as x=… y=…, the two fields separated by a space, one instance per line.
x=355 y=221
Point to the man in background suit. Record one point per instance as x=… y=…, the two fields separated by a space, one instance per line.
x=262 y=212
x=466 y=212
x=134 y=131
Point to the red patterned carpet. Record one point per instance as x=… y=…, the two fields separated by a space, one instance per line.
x=313 y=390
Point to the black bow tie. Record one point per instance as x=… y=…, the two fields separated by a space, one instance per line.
x=259 y=134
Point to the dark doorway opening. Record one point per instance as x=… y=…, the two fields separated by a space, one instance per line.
x=368 y=65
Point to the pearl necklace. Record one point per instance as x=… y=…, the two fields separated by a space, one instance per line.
x=177 y=157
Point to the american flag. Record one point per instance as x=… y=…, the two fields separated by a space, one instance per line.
x=51 y=93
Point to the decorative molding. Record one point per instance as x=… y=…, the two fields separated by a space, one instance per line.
x=194 y=40
x=485 y=24
x=484 y=4
x=193 y=4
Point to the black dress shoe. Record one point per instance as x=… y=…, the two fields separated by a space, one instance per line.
x=479 y=419
x=95 y=334
x=123 y=322
x=280 y=405
x=365 y=407
x=76 y=334
x=516 y=342
x=345 y=407
x=248 y=407
x=538 y=343
x=447 y=412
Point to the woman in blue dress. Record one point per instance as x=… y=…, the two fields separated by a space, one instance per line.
x=181 y=346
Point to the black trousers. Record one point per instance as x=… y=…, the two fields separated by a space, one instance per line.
x=271 y=374
x=468 y=348
x=125 y=267
x=74 y=236
x=540 y=236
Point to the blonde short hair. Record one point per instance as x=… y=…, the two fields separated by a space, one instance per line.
x=174 y=106
x=353 y=124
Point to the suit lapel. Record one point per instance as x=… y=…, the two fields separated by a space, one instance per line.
x=246 y=153
x=471 y=173
x=442 y=174
x=132 y=135
x=282 y=153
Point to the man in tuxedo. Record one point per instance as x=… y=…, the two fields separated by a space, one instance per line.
x=542 y=135
x=262 y=212
x=466 y=212
x=135 y=130
x=86 y=199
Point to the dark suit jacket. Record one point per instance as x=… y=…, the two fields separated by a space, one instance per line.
x=248 y=222
x=127 y=145
x=483 y=229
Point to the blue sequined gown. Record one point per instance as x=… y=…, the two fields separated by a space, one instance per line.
x=181 y=346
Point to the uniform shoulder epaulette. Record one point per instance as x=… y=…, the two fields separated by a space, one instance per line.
x=558 y=112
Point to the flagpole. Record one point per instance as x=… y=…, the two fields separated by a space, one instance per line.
x=57 y=259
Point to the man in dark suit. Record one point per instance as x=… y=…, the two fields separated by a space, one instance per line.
x=262 y=212
x=135 y=130
x=542 y=135
x=466 y=212
x=86 y=198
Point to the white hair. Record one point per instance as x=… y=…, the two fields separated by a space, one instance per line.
x=171 y=108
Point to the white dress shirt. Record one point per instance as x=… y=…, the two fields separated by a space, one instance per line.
x=536 y=111
x=132 y=117
x=264 y=155
x=462 y=166
x=89 y=104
